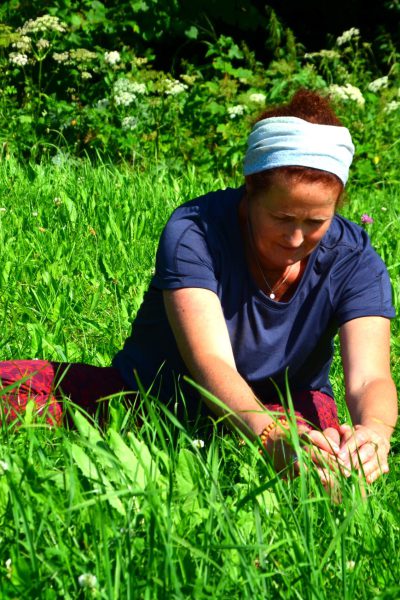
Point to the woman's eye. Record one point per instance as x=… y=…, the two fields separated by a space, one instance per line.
x=279 y=218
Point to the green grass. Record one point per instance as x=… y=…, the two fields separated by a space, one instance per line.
x=141 y=508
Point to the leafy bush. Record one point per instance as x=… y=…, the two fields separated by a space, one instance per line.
x=60 y=99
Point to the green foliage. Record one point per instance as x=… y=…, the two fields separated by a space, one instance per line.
x=147 y=512
x=151 y=511
x=64 y=95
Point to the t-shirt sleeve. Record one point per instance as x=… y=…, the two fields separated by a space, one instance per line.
x=183 y=257
x=366 y=290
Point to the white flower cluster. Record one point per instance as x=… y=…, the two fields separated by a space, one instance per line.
x=347 y=36
x=173 y=87
x=102 y=103
x=198 y=444
x=81 y=55
x=126 y=91
x=42 y=24
x=392 y=106
x=112 y=58
x=378 y=84
x=23 y=44
x=86 y=75
x=347 y=92
x=129 y=123
x=87 y=580
x=18 y=59
x=236 y=111
x=258 y=98
x=189 y=79
x=61 y=56
x=43 y=44
x=328 y=54
x=4 y=466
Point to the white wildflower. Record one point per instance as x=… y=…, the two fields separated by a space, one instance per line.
x=329 y=54
x=35 y=213
x=350 y=565
x=112 y=58
x=16 y=58
x=236 y=111
x=60 y=56
x=43 y=44
x=139 y=61
x=347 y=36
x=102 y=103
x=126 y=91
x=87 y=580
x=173 y=87
x=121 y=85
x=9 y=568
x=391 y=106
x=57 y=201
x=347 y=92
x=42 y=24
x=129 y=123
x=23 y=44
x=189 y=79
x=258 y=98
x=138 y=88
x=86 y=75
x=124 y=98
x=378 y=84
x=81 y=55
x=4 y=466
x=198 y=443
x=3 y=209
x=384 y=208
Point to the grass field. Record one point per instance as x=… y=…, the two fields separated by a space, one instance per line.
x=150 y=512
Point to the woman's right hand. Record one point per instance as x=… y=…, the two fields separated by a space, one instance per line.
x=324 y=452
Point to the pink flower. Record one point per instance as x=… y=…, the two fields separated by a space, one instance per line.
x=366 y=219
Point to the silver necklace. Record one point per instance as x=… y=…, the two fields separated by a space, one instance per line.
x=275 y=288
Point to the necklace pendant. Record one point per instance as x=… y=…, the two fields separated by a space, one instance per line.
x=272 y=296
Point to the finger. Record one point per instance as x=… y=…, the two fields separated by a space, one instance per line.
x=375 y=464
x=345 y=430
x=332 y=434
x=376 y=474
x=365 y=454
x=325 y=459
x=357 y=439
x=321 y=440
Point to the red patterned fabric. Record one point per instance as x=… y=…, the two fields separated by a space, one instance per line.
x=46 y=383
x=312 y=407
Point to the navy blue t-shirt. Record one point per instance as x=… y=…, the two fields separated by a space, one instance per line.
x=201 y=246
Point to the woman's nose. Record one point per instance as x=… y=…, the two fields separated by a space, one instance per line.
x=295 y=237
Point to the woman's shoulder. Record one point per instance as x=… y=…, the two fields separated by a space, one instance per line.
x=210 y=207
x=345 y=235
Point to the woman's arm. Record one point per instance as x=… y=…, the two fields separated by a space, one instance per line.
x=198 y=323
x=370 y=393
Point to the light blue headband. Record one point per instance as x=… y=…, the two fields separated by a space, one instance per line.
x=289 y=141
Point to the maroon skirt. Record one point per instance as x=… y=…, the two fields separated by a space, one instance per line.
x=49 y=383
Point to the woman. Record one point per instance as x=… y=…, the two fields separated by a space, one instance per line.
x=251 y=285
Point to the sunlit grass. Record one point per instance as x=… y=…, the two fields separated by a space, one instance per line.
x=141 y=508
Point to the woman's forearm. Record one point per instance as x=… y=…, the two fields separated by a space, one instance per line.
x=375 y=406
x=224 y=382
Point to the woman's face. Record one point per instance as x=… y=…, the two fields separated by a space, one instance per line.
x=289 y=219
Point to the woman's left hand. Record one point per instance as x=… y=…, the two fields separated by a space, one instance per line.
x=364 y=449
